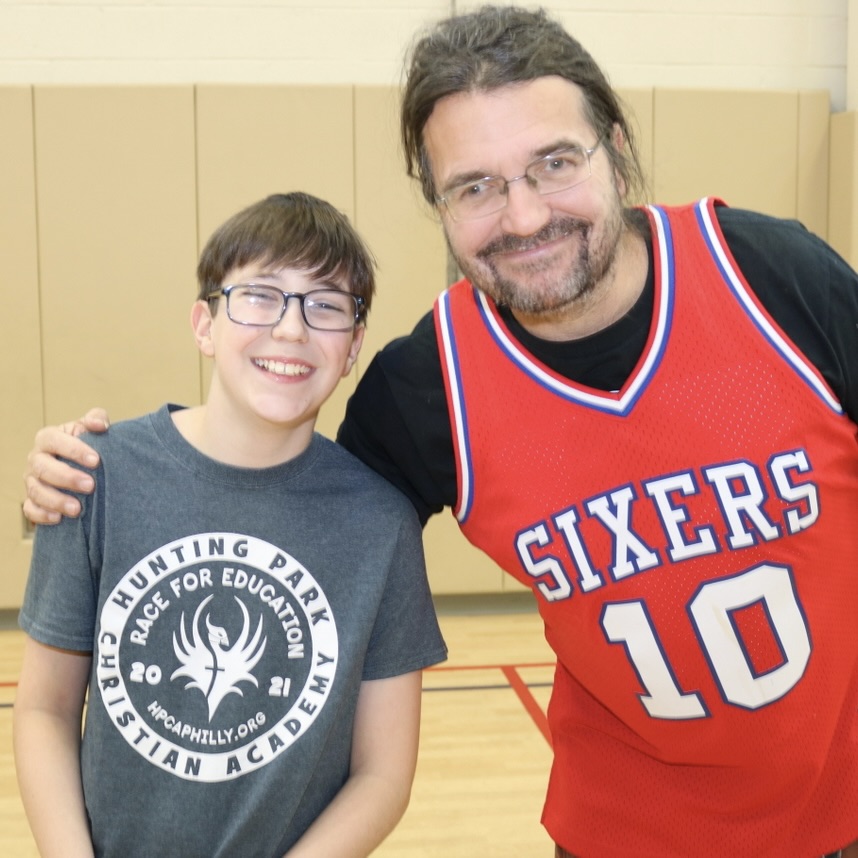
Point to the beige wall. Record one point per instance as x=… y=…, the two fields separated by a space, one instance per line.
x=843 y=191
x=852 y=56
x=756 y=44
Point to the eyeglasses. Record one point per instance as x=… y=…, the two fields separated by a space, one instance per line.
x=265 y=306
x=551 y=174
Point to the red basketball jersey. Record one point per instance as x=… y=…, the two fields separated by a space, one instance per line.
x=693 y=546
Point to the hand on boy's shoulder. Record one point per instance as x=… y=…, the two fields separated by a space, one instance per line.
x=47 y=478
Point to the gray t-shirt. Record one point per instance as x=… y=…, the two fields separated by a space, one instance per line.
x=232 y=614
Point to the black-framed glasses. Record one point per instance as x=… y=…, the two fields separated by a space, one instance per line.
x=559 y=171
x=264 y=306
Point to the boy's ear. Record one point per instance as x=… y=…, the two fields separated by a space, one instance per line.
x=357 y=342
x=201 y=322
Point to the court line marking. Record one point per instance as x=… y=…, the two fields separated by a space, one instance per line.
x=514 y=680
x=447 y=668
x=528 y=701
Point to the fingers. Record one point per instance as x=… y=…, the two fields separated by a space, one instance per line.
x=45 y=505
x=60 y=441
x=39 y=515
x=47 y=479
x=95 y=420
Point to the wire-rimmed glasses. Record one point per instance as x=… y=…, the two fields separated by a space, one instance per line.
x=558 y=171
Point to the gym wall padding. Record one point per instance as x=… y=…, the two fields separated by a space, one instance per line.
x=108 y=192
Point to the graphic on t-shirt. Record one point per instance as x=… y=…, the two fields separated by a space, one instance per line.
x=215 y=654
x=209 y=661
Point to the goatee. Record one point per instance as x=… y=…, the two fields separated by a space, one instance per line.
x=587 y=269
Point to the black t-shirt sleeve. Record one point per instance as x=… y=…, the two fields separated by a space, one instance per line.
x=397 y=422
x=810 y=291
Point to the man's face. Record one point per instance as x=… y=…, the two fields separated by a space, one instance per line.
x=541 y=253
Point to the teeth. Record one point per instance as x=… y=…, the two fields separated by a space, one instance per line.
x=280 y=368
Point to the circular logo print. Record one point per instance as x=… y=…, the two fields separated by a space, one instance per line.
x=214 y=654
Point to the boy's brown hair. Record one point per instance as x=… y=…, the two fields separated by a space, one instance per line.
x=295 y=230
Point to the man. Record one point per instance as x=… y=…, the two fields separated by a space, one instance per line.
x=649 y=417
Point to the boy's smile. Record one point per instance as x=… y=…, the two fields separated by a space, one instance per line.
x=278 y=367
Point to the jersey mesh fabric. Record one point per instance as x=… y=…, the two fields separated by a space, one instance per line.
x=690 y=540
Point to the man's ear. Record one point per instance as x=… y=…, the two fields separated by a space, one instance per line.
x=201 y=322
x=354 y=350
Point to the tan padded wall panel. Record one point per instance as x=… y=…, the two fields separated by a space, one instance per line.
x=814 y=113
x=638 y=105
x=20 y=346
x=409 y=245
x=253 y=141
x=399 y=225
x=117 y=217
x=740 y=146
x=843 y=197
x=455 y=566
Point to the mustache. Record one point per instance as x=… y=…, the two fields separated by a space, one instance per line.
x=558 y=228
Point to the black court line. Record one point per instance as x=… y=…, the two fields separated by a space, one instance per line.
x=504 y=686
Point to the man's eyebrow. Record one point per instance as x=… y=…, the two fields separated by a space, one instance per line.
x=466 y=178
x=557 y=146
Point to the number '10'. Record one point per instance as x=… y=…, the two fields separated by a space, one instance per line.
x=629 y=624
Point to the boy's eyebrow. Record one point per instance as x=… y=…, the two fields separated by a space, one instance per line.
x=329 y=284
x=262 y=275
x=322 y=283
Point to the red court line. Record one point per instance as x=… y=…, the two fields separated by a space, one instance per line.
x=518 y=685
x=528 y=701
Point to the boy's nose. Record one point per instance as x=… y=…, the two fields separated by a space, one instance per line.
x=292 y=324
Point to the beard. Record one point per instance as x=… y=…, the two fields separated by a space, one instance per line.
x=540 y=288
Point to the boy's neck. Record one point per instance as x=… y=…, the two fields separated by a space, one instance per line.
x=233 y=441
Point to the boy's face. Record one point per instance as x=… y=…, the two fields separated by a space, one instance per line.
x=279 y=374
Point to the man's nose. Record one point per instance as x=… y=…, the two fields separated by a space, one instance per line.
x=526 y=211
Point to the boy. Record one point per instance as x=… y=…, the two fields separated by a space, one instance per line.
x=244 y=601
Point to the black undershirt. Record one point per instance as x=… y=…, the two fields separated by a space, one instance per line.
x=397 y=420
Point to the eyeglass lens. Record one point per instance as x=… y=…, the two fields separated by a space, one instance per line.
x=324 y=309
